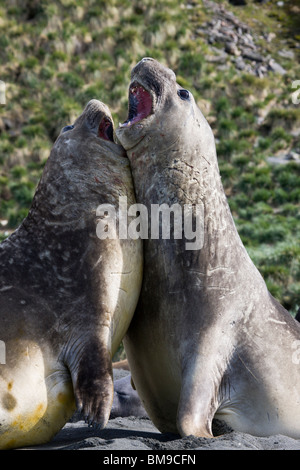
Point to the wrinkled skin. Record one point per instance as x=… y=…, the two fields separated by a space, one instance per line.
x=66 y=296
x=207 y=339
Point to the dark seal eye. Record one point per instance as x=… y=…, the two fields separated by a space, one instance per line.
x=67 y=128
x=183 y=94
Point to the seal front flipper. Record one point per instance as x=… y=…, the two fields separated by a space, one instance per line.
x=92 y=378
x=198 y=402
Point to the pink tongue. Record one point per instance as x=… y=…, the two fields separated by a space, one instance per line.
x=144 y=103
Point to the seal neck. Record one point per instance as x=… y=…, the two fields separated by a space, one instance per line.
x=195 y=181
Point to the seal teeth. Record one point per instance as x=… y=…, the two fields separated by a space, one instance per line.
x=137 y=89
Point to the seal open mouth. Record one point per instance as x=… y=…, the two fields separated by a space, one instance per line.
x=105 y=130
x=140 y=104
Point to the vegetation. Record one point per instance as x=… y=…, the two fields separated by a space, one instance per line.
x=55 y=56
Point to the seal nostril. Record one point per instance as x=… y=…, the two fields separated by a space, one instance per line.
x=67 y=128
x=105 y=130
x=146 y=58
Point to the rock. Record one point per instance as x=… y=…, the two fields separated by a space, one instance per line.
x=240 y=63
x=261 y=71
x=293 y=156
x=275 y=67
x=231 y=48
x=233 y=37
x=251 y=55
x=219 y=58
x=8 y=124
x=282 y=160
x=270 y=37
x=286 y=54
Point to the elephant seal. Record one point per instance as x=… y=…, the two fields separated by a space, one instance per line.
x=66 y=295
x=207 y=339
x=126 y=400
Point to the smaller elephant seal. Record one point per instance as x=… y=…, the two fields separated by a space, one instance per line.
x=207 y=340
x=67 y=295
x=126 y=400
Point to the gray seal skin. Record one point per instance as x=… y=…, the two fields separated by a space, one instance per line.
x=66 y=296
x=207 y=339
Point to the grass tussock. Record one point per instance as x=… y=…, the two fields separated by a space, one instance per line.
x=55 y=56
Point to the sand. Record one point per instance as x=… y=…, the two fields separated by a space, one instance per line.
x=131 y=433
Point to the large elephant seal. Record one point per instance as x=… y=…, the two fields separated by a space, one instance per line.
x=66 y=296
x=207 y=339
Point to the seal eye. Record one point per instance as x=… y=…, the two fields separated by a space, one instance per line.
x=183 y=94
x=67 y=128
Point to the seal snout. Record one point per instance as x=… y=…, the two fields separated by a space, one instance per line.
x=149 y=79
x=99 y=119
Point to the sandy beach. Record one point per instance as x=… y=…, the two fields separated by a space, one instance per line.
x=133 y=433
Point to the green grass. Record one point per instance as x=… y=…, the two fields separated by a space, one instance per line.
x=56 y=56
